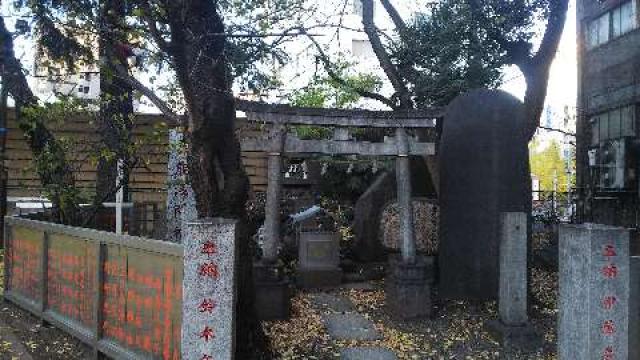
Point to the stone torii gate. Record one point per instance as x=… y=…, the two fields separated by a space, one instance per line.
x=279 y=143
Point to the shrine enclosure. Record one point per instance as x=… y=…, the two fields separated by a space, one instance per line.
x=401 y=140
x=123 y=295
x=392 y=134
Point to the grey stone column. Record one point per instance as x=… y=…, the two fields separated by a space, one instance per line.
x=208 y=289
x=595 y=274
x=403 y=181
x=513 y=329
x=272 y=207
x=513 y=269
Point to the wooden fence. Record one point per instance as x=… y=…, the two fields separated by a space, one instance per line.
x=121 y=295
x=148 y=182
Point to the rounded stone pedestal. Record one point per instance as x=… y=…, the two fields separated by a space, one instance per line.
x=273 y=292
x=408 y=288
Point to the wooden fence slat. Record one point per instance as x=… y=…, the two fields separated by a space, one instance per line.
x=99 y=296
x=44 y=270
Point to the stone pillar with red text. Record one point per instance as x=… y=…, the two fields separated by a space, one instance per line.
x=595 y=275
x=209 y=293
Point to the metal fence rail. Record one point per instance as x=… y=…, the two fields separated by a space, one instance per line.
x=120 y=294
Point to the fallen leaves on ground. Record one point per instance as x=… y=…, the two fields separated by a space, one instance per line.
x=455 y=331
x=302 y=335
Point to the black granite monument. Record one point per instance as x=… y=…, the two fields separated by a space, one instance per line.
x=484 y=165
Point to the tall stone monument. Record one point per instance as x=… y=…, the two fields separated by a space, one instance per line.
x=484 y=171
x=181 y=201
x=595 y=285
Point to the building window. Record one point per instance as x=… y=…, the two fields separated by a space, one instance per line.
x=612 y=24
x=614 y=124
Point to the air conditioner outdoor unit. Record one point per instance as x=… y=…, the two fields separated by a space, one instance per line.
x=616 y=169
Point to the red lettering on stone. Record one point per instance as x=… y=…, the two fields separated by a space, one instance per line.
x=608 y=302
x=207 y=305
x=209 y=269
x=608 y=353
x=609 y=251
x=209 y=248
x=207 y=334
x=610 y=271
x=608 y=327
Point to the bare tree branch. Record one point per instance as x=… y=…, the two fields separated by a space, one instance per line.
x=383 y=57
x=536 y=72
x=553 y=33
x=329 y=68
x=401 y=26
x=568 y=133
x=124 y=75
x=14 y=78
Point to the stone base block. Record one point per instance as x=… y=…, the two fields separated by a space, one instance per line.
x=318 y=278
x=272 y=293
x=520 y=337
x=408 y=288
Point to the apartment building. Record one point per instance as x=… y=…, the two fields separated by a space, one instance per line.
x=608 y=161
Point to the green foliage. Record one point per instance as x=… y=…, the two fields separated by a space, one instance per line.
x=323 y=91
x=548 y=166
x=446 y=53
x=449 y=48
x=64 y=30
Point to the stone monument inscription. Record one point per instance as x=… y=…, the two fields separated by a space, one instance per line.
x=208 y=314
x=594 y=292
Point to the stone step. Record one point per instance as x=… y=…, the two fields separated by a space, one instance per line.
x=367 y=353
x=332 y=302
x=350 y=326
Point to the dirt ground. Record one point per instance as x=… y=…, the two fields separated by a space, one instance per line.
x=455 y=331
x=21 y=332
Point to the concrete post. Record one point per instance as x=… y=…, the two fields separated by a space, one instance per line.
x=513 y=269
x=513 y=329
x=403 y=181
x=119 y=196
x=209 y=291
x=272 y=207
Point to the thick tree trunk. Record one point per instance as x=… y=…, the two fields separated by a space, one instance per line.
x=114 y=122
x=216 y=171
x=537 y=79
